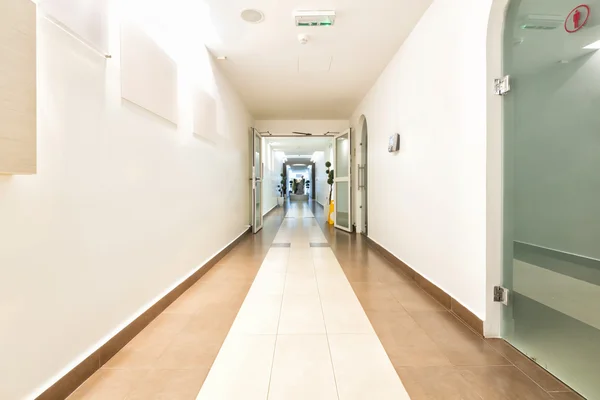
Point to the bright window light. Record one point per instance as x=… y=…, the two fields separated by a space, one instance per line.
x=593 y=46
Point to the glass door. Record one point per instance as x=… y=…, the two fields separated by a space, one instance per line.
x=552 y=187
x=342 y=182
x=257 y=175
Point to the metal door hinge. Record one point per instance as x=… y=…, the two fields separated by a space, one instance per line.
x=502 y=85
x=501 y=295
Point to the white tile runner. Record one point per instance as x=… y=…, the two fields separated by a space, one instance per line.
x=301 y=333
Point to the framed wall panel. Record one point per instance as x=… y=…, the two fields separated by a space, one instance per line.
x=205 y=114
x=17 y=87
x=86 y=19
x=148 y=74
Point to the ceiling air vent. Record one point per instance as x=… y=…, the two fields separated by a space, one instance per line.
x=541 y=22
x=314 y=18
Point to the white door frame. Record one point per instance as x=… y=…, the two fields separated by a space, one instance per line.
x=494 y=169
x=347 y=178
x=257 y=181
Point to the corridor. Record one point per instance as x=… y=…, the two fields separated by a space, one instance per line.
x=254 y=199
x=300 y=311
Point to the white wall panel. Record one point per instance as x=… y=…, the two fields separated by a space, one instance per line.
x=148 y=74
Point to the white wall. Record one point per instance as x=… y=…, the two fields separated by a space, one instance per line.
x=124 y=206
x=321 y=187
x=318 y=127
x=299 y=172
x=427 y=203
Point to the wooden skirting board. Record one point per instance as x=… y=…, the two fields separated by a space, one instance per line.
x=442 y=297
x=74 y=378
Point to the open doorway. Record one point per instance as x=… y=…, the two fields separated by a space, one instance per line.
x=294 y=170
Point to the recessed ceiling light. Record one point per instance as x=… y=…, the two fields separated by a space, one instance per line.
x=253 y=16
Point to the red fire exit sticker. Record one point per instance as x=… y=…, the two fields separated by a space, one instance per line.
x=577 y=18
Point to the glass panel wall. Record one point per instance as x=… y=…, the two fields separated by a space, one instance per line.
x=552 y=187
x=342 y=156
x=342 y=204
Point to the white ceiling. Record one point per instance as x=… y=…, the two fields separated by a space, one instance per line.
x=299 y=145
x=278 y=78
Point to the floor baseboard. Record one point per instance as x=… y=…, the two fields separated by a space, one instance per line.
x=450 y=303
x=74 y=378
x=271 y=210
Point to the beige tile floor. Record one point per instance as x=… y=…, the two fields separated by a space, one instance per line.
x=301 y=333
x=302 y=322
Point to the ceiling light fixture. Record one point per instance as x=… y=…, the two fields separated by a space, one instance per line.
x=253 y=16
x=593 y=46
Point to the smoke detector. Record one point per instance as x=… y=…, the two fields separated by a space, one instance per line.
x=253 y=16
x=302 y=38
x=314 y=18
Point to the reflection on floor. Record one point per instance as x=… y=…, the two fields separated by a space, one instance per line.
x=342 y=219
x=563 y=344
x=297 y=331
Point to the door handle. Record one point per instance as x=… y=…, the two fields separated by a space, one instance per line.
x=361 y=177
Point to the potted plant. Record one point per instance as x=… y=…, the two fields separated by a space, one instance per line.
x=330 y=180
x=330 y=177
x=282 y=185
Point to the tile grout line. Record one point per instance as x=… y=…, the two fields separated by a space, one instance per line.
x=279 y=319
x=463 y=323
x=527 y=375
x=337 y=391
x=394 y=297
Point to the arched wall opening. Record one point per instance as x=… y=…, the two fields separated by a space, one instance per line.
x=494 y=130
